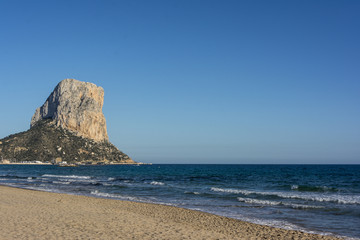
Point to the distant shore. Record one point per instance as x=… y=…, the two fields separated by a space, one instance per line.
x=44 y=163
x=28 y=214
x=12 y=163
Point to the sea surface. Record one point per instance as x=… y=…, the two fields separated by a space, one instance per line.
x=323 y=199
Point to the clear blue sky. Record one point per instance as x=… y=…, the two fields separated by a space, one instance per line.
x=192 y=81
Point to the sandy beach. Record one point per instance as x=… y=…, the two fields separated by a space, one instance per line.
x=27 y=214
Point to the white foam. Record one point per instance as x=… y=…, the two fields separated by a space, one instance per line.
x=317 y=197
x=302 y=206
x=257 y=201
x=79 y=180
x=42 y=189
x=336 y=198
x=66 y=176
x=111 y=179
x=276 y=203
x=228 y=190
x=273 y=223
x=61 y=182
x=157 y=183
x=101 y=194
x=111 y=195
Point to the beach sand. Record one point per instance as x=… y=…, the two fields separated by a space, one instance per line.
x=27 y=214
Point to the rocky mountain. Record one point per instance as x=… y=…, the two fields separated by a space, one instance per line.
x=76 y=106
x=69 y=126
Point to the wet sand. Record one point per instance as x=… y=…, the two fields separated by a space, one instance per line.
x=27 y=214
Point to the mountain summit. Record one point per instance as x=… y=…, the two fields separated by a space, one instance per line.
x=69 y=127
x=75 y=106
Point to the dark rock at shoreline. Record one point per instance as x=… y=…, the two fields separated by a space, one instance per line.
x=47 y=142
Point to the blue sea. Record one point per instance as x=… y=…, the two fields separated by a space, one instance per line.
x=323 y=199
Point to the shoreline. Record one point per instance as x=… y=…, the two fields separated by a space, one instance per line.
x=33 y=214
x=25 y=163
x=136 y=163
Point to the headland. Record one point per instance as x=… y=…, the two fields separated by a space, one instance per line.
x=69 y=129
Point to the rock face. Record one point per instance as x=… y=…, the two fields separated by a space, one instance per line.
x=70 y=127
x=75 y=106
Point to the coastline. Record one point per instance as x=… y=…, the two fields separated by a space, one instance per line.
x=45 y=163
x=34 y=214
x=2 y=163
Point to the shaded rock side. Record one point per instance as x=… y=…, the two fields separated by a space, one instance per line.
x=75 y=106
x=47 y=142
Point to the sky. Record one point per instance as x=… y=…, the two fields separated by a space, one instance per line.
x=195 y=81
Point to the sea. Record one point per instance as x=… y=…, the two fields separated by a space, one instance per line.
x=322 y=199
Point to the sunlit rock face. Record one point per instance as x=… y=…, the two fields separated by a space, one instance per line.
x=75 y=106
x=69 y=128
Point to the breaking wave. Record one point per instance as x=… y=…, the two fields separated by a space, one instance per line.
x=66 y=176
x=111 y=195
x=157 y=183
x=335 y=198
x=61 y=182
x=276 y=203
x=228 y=190
x=306 y=188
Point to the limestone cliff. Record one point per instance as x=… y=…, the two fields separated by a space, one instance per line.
x=70 y=127
x=75 y=106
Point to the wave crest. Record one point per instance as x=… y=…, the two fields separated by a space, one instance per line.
x=157 y=183
x=65 y=176
x=335 y=198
